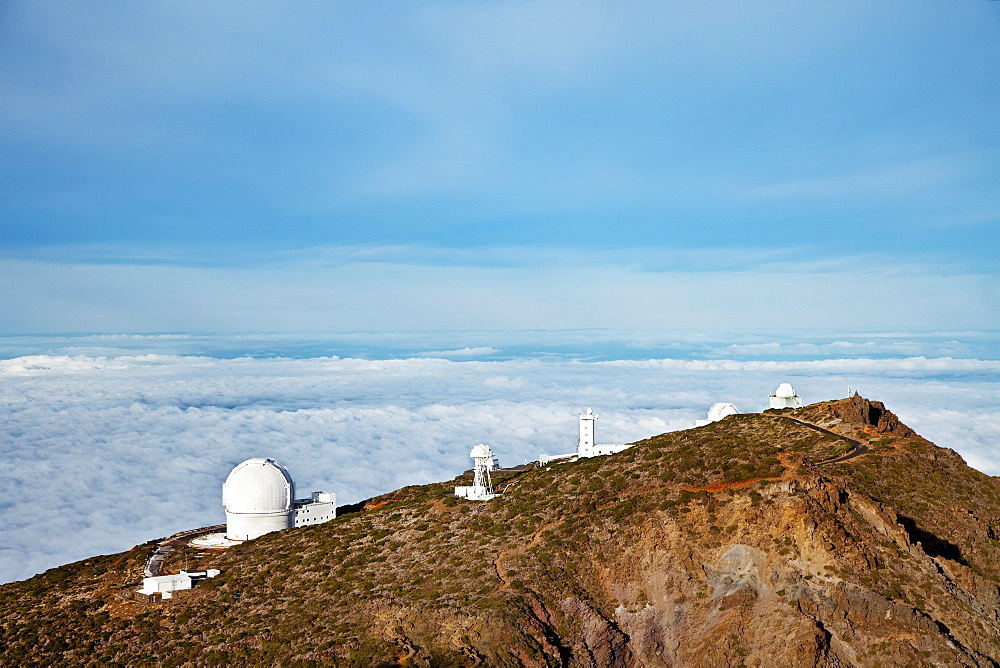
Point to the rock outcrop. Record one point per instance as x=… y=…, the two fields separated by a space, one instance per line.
x=858 y=410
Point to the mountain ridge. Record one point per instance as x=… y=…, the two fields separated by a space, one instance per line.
x=745 y=542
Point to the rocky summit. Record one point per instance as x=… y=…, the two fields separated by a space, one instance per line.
x=831 y=535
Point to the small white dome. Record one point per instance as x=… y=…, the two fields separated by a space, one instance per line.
x=258 y=486
x=721 y=410
x=785 y=390
x=481 y=450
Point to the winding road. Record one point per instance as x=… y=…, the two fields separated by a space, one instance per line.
x=859 y=447
x=154 y=565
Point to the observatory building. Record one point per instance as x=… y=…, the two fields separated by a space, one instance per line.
x=259 y=497
x=586 y=447
x=785 y=397
x=717 y=412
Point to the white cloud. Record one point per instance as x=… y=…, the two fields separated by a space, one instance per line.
x=101 y=453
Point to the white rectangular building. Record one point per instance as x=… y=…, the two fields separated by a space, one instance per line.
x=322 y=507
x=166 y=584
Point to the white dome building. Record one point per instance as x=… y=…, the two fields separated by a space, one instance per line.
x=785 y=397
x=717 y=412
x=720 y=410
x=259 y=497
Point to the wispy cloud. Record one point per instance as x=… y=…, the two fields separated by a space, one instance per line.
x=560 y=290
x=898 y=180
x=480 y=351
x=667 y=259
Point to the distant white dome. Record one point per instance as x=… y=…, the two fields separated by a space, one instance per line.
x=258 y=486
x=481 y=450
x=721 y=410
x=785 y=390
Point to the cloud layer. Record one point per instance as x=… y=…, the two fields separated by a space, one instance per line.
x=49 y=296
x=105 y=452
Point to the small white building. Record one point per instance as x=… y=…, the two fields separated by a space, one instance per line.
x=785 y=397
x=717 y=412
x=165 y=585
x=259 y=497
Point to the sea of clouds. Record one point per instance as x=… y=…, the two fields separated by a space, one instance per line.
x=102 y=452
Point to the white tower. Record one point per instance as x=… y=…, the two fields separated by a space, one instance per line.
x=586 y=445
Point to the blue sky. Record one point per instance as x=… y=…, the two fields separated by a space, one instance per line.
x=176 y=166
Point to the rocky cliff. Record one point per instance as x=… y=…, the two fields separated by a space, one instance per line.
x=752 y=541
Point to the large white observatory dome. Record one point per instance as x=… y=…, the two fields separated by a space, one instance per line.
x=258 y=486
x=785 y=390
x=258 y=496
x=721 y=410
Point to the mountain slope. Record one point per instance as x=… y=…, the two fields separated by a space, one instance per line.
x=725 y=545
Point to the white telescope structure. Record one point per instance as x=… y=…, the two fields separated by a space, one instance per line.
x=482 y=486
